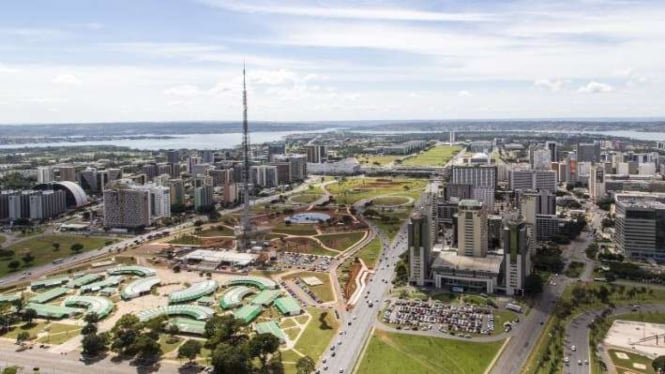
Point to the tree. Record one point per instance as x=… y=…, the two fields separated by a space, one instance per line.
x=262 y=345
x=14 y=264
x=91 y=318
x=93 y=344
x=22 y=336
x=147 y=347
x=658 y=364
x=189 y=349
x=76 y=247
x=231 y=359
x=533 y=284
x=222 y=329
x=125 y=333
x=29 y=315
x=28 y=258
x=89 y=329
x=305 y=365
x=56 y=246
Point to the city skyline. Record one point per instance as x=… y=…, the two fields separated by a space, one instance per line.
x=73 y=62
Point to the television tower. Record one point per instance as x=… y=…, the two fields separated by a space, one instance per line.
x=246 y=226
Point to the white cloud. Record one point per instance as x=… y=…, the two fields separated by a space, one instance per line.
x=464 y=93
x=66 y=79
x=390 y=14
x=6 y=69
x=553 y=85
x=184 y=90
x=594 y=87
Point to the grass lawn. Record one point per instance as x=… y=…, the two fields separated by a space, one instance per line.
x=60 y=333
x=290 y=356
x=370 y=253
x=324 y=291
x=400 y=353
x=351 y=190
x=166 y=346
x=295 y=229
x=628 y=364
x=41 y=248
x=341 y=241
x=394 y=218
x=292 y=332
x=305 y=198
x=435 y=156
x=390 y=200
x=302 y=319
x=303 y=245
x=500 y=317
x=320 y=330
x=286 y=323
x=186 y=240
x=2 y=239
x=378 y=160
x=574 y=270
x=217 y=231
x=32 y=330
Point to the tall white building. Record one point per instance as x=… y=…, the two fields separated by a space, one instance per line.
x=130 y=205
x=45 y=174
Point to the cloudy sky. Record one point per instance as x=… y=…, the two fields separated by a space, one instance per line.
x=155 y=60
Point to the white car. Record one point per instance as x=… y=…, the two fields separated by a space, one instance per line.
x=573 y=348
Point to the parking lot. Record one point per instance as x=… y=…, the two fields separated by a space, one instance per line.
x=304 y=261
x=448 y=318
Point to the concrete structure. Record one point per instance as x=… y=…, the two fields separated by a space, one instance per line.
x=553 y=147
x=45 y=174
x=316 y=154
x=640 y=225
x=517 y=257
x=127 y=207
x=471 y=229
x=588 y=152
x=597 y=182
x=533 y=180
x=203 y=196
x=466 y=274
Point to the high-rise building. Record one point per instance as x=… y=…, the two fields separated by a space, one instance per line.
x=126 y=207
x=640 y=225
x=104 y=177
x=553 y=147
x=471 y=229
x=66 y=173
x=419 y=248
x=275 y=149
x=208 y=156
x=173 y=156
x=588 y=152
x=264 y=175
x=160 y=201
x=150 y=170
x=177 y=191
x=597 y=182
x=45 y=174
x=4 y=205
x=297 y=165
x=203 y=196
x=533 y=180
x=517 y=259
x=88 y=180
x=482 y=178
x=540 y=158
x=316 y=154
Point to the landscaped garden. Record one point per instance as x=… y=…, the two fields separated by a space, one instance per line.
x=435 y=156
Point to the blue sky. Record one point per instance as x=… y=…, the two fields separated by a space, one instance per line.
x=156 y=60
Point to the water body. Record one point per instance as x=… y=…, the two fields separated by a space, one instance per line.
x=230 y=140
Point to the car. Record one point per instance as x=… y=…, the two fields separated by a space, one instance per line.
x=332 y=354
x=566 y=359
x=586 y=362
x=579 y=362
x=324 y=360
x=341 y=370
x=573 y=348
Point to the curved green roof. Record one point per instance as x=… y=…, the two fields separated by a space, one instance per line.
x=288 y=305
x=195 y=311
x=193 y=292
x=247 y=313
x=142 y=271
x=95 y=304
x=260 y=282
x=113 y=280
x=233 y=297
x=139 y=287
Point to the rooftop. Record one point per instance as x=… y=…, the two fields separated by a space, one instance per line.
x=450 y=259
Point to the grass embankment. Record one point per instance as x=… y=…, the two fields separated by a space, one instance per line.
x=295 y=229
x=341 y=241
x=350 y=190
x=320 y=330
x=379 y=160
x=305 y=198
x=303 y=245
x=217 y=231
x=546 y=357
x=370 y=253
x=390 y=200
x=186 y=240
x=435 y=156
x=626 y=365
x=389 y=353
x=43 y=250
x=324 y=291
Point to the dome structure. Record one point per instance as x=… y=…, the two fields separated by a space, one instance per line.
x=74 y=194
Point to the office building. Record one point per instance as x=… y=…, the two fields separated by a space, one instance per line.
x=88 y=180
x=264 y=176
x=177 y=191
x=482 y=179
x=420 y=250
x=640 y=225
x=275 y=149
x=458 y=273
x=221 y=177
x=597 y=182
x=203 y=196
x=104 y=177
x=45 y=174
x=66 y=173
x=540 y=158
x=129 y=205
x=553 y=147
x=588 y=152
x=471 y=229
x=316 y=154
x=517 y=258
x=297 y=166
x=150 y=171
x=533 y=180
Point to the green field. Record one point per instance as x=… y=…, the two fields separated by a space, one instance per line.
x=350 y=190
x=320 y=330
x=295 y=229
x=168 y=346
x=436 y=156
x=390 y=200
x=186 y=240
x=304 y=245
x=370 y=253
x=324 y=291
x=41 y=248
x=627 y=365
x=389 y=353
x=217 y=231
x=305 y=198
x=341 y=241
x=33 y=329
x=378 y=160
x=60 y=333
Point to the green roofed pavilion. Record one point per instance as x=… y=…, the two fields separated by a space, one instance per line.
x=270 y=327
x=9 y=298
x=49 y=295
x=247 y=313
x=266 y=297
x=261 y=282
x=101 y=306
x=233 y=297
x=48 y=283
x=189 y=326
x=288 y=306
x=52 y=311
x=193 y=292
x=141 y=271
x=86 y=279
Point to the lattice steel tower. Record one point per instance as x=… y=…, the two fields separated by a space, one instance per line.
x=246 y=226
